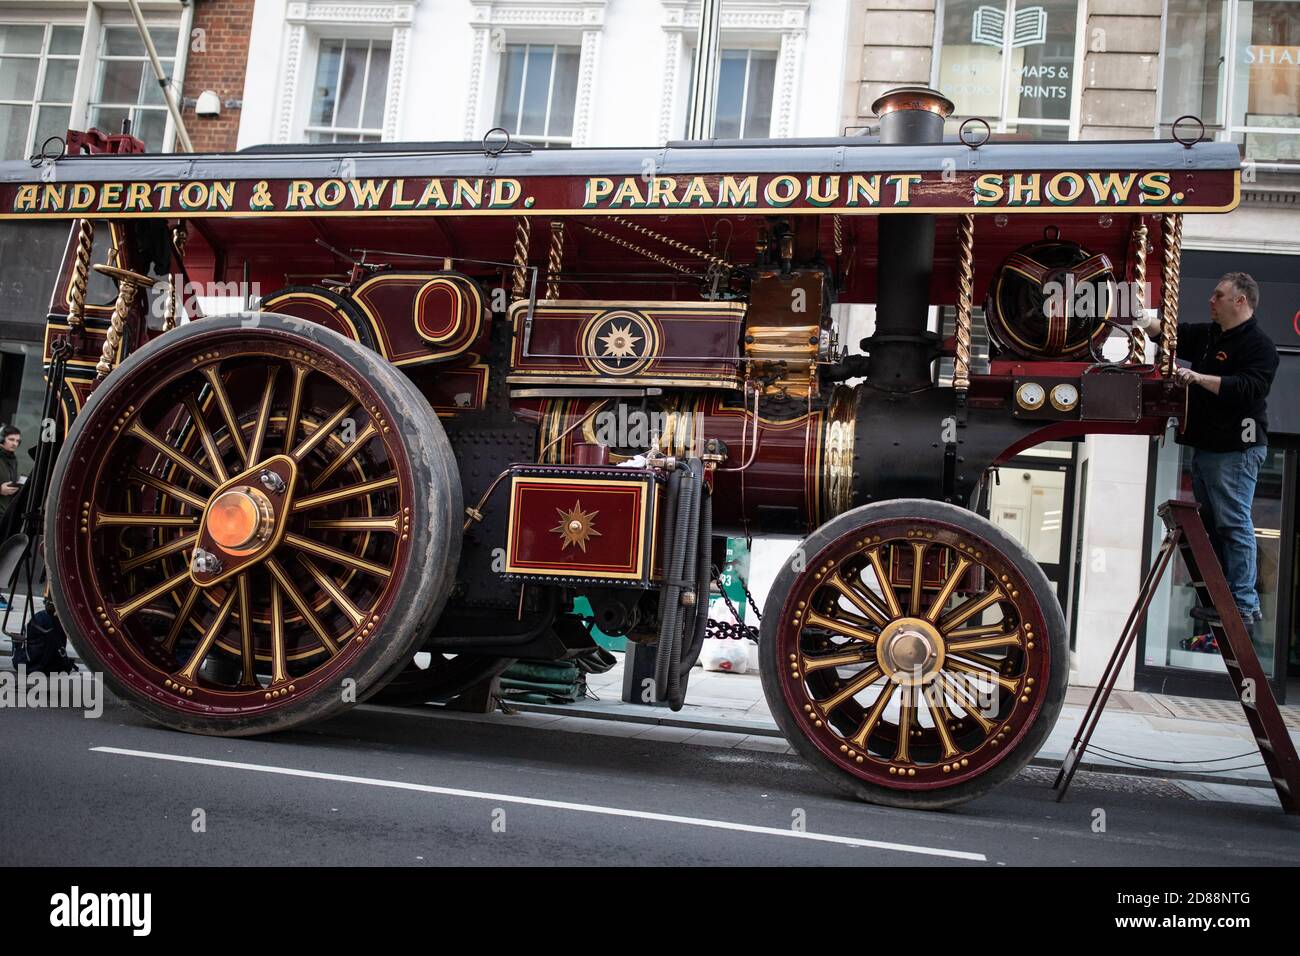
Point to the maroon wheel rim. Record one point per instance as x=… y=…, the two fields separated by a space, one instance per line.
x=928 y=690
x=318 y=576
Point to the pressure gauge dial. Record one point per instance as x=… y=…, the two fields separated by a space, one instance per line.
x=1030 y=396
x=1065 y=397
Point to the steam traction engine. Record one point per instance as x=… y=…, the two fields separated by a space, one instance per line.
x=483 y=382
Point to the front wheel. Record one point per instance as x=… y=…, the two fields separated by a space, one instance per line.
x=914 y=653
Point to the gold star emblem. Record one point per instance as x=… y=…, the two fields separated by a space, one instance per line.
x=620 y=342
x=576 y=526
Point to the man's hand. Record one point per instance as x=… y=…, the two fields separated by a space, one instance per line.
x=1187 y=377
x=8 y=488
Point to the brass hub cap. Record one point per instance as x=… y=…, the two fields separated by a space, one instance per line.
x=910 y=651
x=240 y=520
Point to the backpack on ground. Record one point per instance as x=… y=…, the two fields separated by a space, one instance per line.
x=44 y=646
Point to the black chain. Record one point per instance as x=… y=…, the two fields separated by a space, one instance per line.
x=738 y=630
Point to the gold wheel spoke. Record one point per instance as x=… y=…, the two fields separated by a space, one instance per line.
x=167 y=488
x=940 y=714
x=949 y=585
x=161 y=551
x=149 y=438
x=320 y=434
x=965 y=612
x=300 y=602
x=346 y=454
x=341 y=494
x=357 y=524
x=263 y=417
x=968 y=702
x=858 y=684
x=858 y=600
x=886 y=588
x=918 y=569
x=816 y=662
x=227 y=412
x=961 y=667
x=300 y=373
x=906 y=714
x=205 y=436
x=981 y=643
x=155 y=592
x=873 y=717
x=248 y=676
x=983 y=660
x=984 y=630
x=330 y=587
x=839 y=627
x=104 y=519
x=334 y=554
x=279 y=674
x=188 y=672
x=183 y=615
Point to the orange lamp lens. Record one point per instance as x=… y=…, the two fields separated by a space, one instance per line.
x=232 y=519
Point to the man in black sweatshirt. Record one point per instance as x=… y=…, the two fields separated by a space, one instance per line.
x=1232 y=366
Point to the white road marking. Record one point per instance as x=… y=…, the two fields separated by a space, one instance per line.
x=553 y=804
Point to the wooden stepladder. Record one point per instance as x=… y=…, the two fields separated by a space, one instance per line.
x=1185 y=533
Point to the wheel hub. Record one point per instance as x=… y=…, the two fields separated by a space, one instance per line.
x=910 y=651
x=244 y=523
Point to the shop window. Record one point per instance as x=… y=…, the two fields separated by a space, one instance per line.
x=539 y=87
x=1011 y=63
x=1236 y=65
x=1173 y=638
x=126 y=88
x=38 y=73
x=350 y=92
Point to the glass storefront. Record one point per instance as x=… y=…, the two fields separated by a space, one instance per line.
x=1236 y=65
x=1011 y=63
x=1174 y=639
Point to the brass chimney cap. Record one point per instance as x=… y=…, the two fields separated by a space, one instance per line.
x=913 y=98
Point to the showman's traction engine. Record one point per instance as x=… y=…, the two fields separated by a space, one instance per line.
x=469 y=385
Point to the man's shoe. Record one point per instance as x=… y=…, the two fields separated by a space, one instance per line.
x=1206 y=614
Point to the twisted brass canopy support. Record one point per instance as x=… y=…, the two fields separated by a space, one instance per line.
x=965 y=300
x=76 y=297
x=1173 y=235
x=555 y=262
x=523 y=234
x=1137 y=343
x=128 y=284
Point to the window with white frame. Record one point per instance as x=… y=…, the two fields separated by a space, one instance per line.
x=38 y=77
x=746 y=87
x=1235 y=64
x=1011 y=63
x=126 y=88
x=538 y=91
x=350 y=92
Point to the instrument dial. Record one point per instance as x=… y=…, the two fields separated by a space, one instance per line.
x=1030 y=396
x=1065 y=397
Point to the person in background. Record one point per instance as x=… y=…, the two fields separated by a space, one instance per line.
x=10 y=438
x=1233 y=363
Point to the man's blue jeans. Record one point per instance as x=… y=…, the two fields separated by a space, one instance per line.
x=1224 y=485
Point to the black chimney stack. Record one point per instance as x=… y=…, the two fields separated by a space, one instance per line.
x=901 y=349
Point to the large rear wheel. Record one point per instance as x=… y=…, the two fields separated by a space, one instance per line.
x=914 y=653
x=253 y=522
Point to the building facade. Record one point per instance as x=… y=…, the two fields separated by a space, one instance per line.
x=1129 y=69
x=555 y=72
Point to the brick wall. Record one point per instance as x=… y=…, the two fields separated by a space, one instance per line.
x=217 y=60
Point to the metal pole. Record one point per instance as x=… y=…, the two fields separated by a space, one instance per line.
x=708 y=54
x=181 y=133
